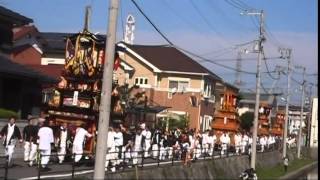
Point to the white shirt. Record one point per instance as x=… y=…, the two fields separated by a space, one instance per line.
x=148 y=135
x=237 y=139
x=205 y=139
x=111 y=141
x=137 y=143
x=9 y=132
x=63 y=138
x=80 y=135
x=118 y=138
x=45 y=138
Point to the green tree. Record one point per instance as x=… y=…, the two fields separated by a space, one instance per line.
x=246 y=120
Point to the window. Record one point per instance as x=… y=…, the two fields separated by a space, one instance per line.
x=180 y=86
x=207 y=90
x=141 y=81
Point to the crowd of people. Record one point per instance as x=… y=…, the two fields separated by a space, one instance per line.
x=128 y=147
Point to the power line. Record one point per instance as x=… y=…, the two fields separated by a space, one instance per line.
x=235 y=5
x=184 y=50
x=267 y=67
x=243 y=4
x=154 y=26
x=213 y=28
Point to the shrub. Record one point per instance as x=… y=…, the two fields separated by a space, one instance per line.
x=5 y=113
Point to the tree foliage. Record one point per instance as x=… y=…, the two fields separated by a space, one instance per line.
x=246 y=120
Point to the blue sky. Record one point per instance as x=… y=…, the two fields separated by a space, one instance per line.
x=201 y=26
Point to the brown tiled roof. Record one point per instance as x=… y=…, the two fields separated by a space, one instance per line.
x=13 y=17
x=9 y=67
x=52 y=70
x=167 y=58
x=22 y=31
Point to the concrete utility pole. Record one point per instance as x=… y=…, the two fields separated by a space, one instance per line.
x=301 y=113
x=105 y=106
x=258 y=79
x=309 y=116
x=286 y=54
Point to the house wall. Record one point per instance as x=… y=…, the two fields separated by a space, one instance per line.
x=158 y=90
x=141 y=70
x=28 y=56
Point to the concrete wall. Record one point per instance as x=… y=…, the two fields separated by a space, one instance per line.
x=226 y=168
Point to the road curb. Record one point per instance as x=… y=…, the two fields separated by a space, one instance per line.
x=295 y=174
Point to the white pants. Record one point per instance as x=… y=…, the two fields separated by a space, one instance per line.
x=223 y=148
x=136 y=156
x=146 y=148
x=45 y=156
x=127 y=155
x=243 y=148
x=197 y=152
x=78 y=150
x=211 y=149
x=27 y=148
x=155 y=150
x=9 y=152
x=111 y=156
x=62 y=153
x=33 y=152
x=205 y=148
x=262 y=148
x=170 y=152
x=162 y=153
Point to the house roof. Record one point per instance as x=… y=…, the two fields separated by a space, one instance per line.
x=247 y=97
x=9 y=67
x=20 y=32
x=13 y=18
x=54 y=42
x=169 y=59
x=52 y=70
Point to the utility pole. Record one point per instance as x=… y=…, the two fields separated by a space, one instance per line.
x=309 y=117
x=286 y=54
x=258 y=79
x=301 y=113
x=105 y=105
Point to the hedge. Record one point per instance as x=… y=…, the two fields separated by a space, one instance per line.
x=5 y=113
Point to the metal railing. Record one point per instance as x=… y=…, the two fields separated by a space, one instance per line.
x=126 y=158
x=5 y=166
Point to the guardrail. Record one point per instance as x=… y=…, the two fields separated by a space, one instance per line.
x=123 y=159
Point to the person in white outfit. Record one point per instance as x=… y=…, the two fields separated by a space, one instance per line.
x=249 y=144
x=111 y=156
x=212 y=139
x=225 y=141
x=156 y=143
x=11 y=133
x=244 y=143
x=30 y=135
x=26 y=134
x=45 y=135
x=63 y=139
x=205 y=143
x=118 y=141
x=147 y=141
x=137 y=147
x=237 y=142
x=78 y=142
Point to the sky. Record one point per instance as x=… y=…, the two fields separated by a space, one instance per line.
x=209 y=28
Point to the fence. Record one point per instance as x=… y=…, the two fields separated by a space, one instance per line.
x=123 y=160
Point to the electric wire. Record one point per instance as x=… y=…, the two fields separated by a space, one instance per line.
x=152 y=24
